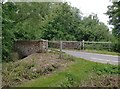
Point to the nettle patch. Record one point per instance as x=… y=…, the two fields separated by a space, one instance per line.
x=32 y=67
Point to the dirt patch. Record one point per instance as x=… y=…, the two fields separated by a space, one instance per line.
x=31 y=67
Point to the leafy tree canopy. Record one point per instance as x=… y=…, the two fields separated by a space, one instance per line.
x=51 y=21
x=114 y=15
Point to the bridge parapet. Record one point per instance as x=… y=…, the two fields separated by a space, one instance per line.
x=27 y=47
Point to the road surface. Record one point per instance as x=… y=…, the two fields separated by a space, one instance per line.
x=102 y=58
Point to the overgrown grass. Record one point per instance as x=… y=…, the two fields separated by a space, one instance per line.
x=92 y=51
x=18 y=73
x=73 y=75
x=14 y=73
x=102 y=52
x=32 y=67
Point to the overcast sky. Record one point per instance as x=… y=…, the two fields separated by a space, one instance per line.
x=98 y=7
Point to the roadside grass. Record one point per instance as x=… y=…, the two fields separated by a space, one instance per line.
x=104 y=80
x=77 y=71
x=101 y=52
x=73 y=75
x=92 y=51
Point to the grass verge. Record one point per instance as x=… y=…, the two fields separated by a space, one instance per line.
x=74 y=74
x=93 y=51
x=32 y=67
x=102 y=52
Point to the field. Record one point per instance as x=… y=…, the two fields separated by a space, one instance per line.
x=47 y=70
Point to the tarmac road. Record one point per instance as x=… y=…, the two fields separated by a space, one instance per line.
x=102 y=58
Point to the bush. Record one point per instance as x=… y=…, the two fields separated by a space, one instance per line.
x=109 y=69
x=116 y=45
x=70 y=81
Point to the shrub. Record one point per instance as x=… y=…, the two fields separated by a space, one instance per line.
x=106 y=69
x=70 y=80
x=116 y=45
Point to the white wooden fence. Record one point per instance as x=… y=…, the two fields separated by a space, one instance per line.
x=107 y=44
x=80 y=45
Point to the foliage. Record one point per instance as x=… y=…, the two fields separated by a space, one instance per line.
x=15 y=73
x=93 y=30
x=70 y=81
x=102 y=52
x=19 y=22
x=106 y=69
x=116 y=45
x=114 y=15
x=51 y=21
x=32 y=67
x=73 y=75
x=98 y=47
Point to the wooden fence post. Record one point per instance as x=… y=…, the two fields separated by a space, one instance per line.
x=80 y=45
x=109 y=45
x=83 y=44
x=46 y=45
x=60 y=49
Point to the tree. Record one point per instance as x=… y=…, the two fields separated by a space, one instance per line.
x=114 y=16
x=64 y=25
x=51 y=21
x=19 y=22
x=91 y=29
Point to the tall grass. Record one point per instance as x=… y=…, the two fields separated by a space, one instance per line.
x=73 y=75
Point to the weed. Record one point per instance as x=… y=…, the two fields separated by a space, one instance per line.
x=110 y=69
x=70 y=80
x=73 y=75
x=68 y=57
x=16 y=72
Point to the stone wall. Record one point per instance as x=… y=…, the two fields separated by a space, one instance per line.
x=66 y=44
x=26 y=47
x=54 y=44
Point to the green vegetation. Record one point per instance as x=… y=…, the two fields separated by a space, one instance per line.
x=114 y=15
x=32 y=67
x=37 y=70
x=74 y=74
x=14 y=73
x=102 y=52
x=98 y=46
x=116 y=45
x=55 y=21
x=91 y=51
x=51 y=21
